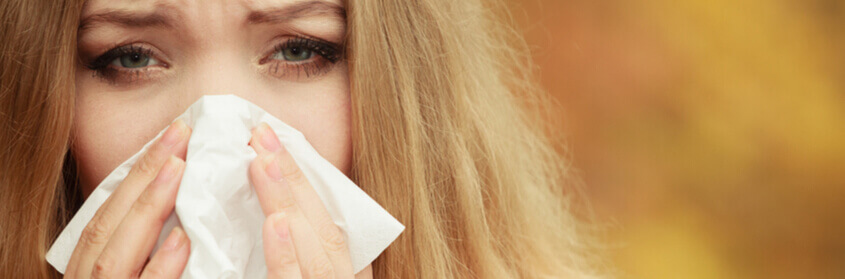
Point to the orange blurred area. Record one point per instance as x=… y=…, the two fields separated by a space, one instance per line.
x=710 y=134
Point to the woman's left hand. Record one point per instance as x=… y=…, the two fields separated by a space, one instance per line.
x=300 y=238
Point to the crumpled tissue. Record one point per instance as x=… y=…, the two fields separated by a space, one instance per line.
x=218 y=208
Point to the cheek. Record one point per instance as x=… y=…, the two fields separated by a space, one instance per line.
x=322 y=112
x=328 y=129
x=112 y=126
x=103 y=137
x=98 y=152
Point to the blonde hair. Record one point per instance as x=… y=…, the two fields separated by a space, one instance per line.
x=447 y=137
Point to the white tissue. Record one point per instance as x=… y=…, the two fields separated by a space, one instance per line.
x=218 y=208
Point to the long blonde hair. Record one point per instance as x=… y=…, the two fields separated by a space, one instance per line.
x=447 y=137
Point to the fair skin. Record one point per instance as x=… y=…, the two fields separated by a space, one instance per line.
x=142 y=63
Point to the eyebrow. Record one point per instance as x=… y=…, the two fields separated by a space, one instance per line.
x=297 y=10
x=159 y=18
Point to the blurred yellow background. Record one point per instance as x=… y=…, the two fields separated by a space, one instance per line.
x=710 y=133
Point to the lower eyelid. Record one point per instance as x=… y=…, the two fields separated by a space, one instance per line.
x=127 y=76
x=293 y=70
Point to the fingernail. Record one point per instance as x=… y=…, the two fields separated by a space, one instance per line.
x=174 y=240
x=272 y=167
x=268 y=138
x=174 y=133
x=168 y=171
x=280 y=225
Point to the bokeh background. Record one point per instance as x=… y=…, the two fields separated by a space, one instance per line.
x=710 y=134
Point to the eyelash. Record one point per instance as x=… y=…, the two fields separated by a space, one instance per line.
x=102 y=64
x=327 y=54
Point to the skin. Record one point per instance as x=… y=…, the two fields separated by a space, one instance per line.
x=208 y=50
x=200 y=48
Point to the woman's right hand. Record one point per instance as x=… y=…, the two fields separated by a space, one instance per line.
x=121 y=235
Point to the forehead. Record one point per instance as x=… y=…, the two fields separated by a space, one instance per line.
x=93 y=5
x=163 y=11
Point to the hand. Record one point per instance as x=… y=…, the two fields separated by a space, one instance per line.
x=300 y=238
x=121 y=235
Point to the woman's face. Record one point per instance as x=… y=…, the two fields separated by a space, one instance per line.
x=144 y=62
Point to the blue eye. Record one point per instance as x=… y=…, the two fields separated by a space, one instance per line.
x=125 y=57
x=134 y=60
x=300 y=49
x=127 y=64
x=305 y=57
x=293 y=54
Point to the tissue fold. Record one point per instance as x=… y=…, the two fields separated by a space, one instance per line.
x=218 y=208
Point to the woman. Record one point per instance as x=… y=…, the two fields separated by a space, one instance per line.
x=428 y=105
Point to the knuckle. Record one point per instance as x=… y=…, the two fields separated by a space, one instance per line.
x=332 y=238
x=321 y=267
x=287 y=258
x=146 y=166
x=95 y=233
x=154 y=272
x=103 y=268
x=292 y=173
x=287 y=203
x=144 y=205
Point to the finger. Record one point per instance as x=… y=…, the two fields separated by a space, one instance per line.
x=171 y=258
x=284 y=168
x=262 y=142
x=279 y=250
x=275 y=196
x=96 y=234
x=366 y=273
x=133 y=240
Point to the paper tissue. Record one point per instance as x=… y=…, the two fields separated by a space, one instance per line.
x=218 y=208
